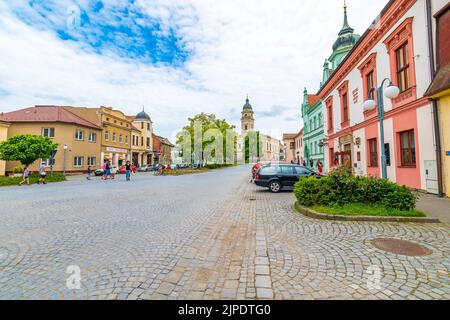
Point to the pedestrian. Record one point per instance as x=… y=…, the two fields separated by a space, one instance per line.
x=104 y=170
x=304 y=162
x=25 y=177
x=319 y=166
x=42 y=174
x=88 y=173
x=311 y=163
x=108 y=169
x=128 y=170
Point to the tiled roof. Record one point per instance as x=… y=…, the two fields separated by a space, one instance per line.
x=312 y=99
x=46 y=114
x=441 y=82
x=163 y=140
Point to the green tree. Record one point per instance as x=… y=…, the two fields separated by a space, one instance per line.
x=247 y=147
x=208 y=121
x=26 y=148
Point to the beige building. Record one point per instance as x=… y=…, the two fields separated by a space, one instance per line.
x=271 y=148
x=78 y=139
x=162 y=150
x=3 y=136
x=116 y=132
x=294 y=149
x=141 y=139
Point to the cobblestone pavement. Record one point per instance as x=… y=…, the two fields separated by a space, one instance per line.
x=208 y=236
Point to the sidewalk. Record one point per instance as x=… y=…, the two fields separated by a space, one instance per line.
x=435 y=207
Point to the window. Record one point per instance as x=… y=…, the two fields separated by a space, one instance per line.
x=142 y=141
x=148 y=142
x=329 y=104
x=345 y=107
x=245 y=127
x=79 y=135
x=106 y=135
x=403 y=79
x=370 y=86
x=48 y=132
x=91 y=161
x=142 y=125
x=373 y=152
x=387 y=152
x=78 y=161
x=302 y=171
x=287 y=170
x=49 y=162
x=408 y=149
x=292 y=145
x=120 y=138
x=126 y=139
x=148 y=126
x=114 y=137
x=92 y=137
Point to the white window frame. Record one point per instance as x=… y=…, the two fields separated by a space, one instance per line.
x=48 y=133
x=92 y=161
x=92 y=135
x=106 y=135
x=126 y=139
x=76 y=163
x=120 y=138
x=114 y=137
x=77 y=135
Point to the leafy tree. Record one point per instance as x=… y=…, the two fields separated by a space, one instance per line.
x=247 y=147
x=26 y=148
x=208 y=121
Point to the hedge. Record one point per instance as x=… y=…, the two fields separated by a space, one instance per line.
x=341 y=187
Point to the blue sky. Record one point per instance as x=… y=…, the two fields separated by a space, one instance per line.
x=176 y=57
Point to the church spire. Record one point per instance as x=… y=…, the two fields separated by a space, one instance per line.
x=346 y=26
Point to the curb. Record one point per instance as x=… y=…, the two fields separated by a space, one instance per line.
x=317 y=215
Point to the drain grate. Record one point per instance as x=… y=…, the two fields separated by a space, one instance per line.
x=402 y=247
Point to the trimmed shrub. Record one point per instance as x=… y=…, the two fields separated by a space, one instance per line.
x=341 y=187
x=18 y=169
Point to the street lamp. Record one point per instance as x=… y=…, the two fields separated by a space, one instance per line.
x=65 y=151
x=391 y=92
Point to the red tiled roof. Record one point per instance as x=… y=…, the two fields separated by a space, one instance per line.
x=46 y=114
x=312 y=99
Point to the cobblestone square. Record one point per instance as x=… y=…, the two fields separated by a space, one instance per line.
x=202 y=237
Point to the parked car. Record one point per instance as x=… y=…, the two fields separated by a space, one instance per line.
x=196 y=166
x=143 y=168
x=277 y=177
x=98 y=172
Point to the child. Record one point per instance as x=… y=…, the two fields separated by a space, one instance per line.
x=26 y=177
x=88 y=173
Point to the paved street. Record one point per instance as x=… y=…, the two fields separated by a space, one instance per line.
x=207 y=236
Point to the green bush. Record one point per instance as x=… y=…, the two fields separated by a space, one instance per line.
x=217 y=165
x=18 y=169
x=341 y=188
x=11 y=181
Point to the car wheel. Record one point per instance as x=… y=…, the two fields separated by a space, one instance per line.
x=275 y=186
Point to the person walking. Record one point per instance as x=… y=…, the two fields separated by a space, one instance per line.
x=89 y=171
x=25 y=177
x=108 y=169
x=42 y=174
x=104 y=170
x=311 y=163
x=128 y=170
x=319 y=166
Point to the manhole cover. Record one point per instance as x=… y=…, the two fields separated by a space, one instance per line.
x=252 y=199
x=401 y=247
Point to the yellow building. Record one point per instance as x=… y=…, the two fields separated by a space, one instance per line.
x=3 y=136
x=439 y=89
x=116 y=132
x=65 y=128
x=141 y=139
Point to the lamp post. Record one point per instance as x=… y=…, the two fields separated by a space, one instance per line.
x=391 y=92
x=65 y=151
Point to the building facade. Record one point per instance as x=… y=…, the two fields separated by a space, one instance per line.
x=395 y=47
x=81 y=137
x=271 y=149
x=116 y=132
x=439 y=90
x=3 y=136
x=293 y=146
x=313 y=136
x=141 y=139
x=162 y=150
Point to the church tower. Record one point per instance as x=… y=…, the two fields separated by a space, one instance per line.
x=247 y=120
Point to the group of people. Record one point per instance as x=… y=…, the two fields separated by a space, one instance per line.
x=26 y=175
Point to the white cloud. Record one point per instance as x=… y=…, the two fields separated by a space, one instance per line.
x=266 y=48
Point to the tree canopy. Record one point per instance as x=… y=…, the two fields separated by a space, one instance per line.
x=208 y=122
x=26 y=148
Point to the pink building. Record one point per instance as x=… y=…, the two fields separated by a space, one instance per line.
x=397 y=47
